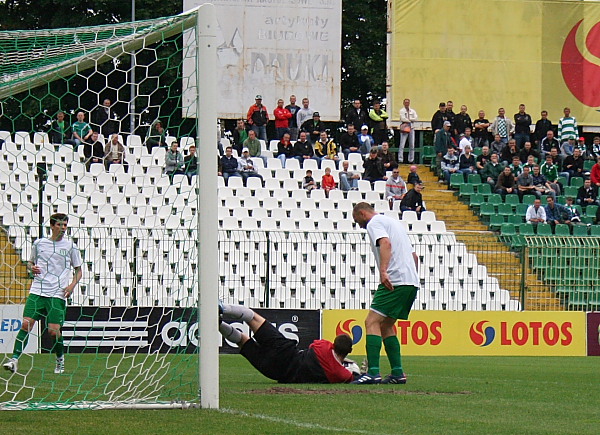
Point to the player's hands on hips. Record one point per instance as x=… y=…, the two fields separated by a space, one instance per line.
x=385 y=280
x=36 y=270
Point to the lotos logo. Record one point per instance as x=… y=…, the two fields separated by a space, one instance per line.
x=581 y=66
x=482 y=337
x=344 y=328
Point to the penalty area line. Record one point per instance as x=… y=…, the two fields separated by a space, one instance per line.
x=293 y=422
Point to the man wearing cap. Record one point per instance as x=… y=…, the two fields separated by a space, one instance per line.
x=246 y=167
x=365 y=140
x=304 y=114
x=373 y=167
x=438 y=119
x=313 y=127
x=443 y=140
x=258 y=117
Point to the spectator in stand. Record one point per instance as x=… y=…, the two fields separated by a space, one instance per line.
x=348 y=179
x=81 y=129
x=510 y=152
x=378 y=121
x=365 y=140
x=542 y=126
x=246 y=167
x=594 y=149
x=527 y=151
x=254 y=146
x=308 y=182
x=313 y=127
x=482 y=158
x=522 y=126
x=465 y=139
x=258 y=118
x=349 y=141
x=515 y=167
x=567 y=127
x=58 y=131
x=506 y=183
x=282 y=119
x=497 y=146
x=326 y=149
x=595 y=173
x=575 y=218
x=542 y=185
x=356 y=115
x=413 y=177
x=582 y=146
x=240 y=134
x=407 y=132
x=373 y=168
x=293 y=126
x=550 y=170
x=492 y=170
x=413 y=200
x=503 y=126
x=567 y=148
x=174 y=162
x=104 y=119
x=450 y=113
x=303 y=149
x=93 y=150
x=285 y=149
x=449 y=164
x=530 y=162
x=304 y=114
x=114 y=153
x=387 y=158
x=395 y=188
x=587 y=194
x=156 y=136
x=327 y=182
x=229 y=164
x=462 y=121
x=443 y=140
x=556 y=213
x=525 y=184
x=481 y=136
x=439 y=118
x=466 y=163
x=536 y=214
x=574 y=164
x=557 y=159
x=547 y=143
x=190 y=163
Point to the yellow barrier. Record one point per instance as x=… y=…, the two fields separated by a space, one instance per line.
x=473 y=332
x=496 y=53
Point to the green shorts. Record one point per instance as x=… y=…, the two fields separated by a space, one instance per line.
x=396 y=303
x=53 y=309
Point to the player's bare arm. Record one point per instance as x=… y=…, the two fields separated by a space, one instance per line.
x=416 y=258
x=36 y=270
x=385 y=253
x=76 y=278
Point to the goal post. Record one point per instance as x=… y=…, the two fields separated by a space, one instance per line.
x=141 y=327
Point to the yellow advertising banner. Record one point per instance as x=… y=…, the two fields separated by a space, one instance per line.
x=473 y=332
x=489 y=54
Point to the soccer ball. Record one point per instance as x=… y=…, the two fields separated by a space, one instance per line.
x=352 y=366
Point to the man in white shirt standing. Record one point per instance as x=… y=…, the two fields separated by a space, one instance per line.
x=407 y=117
x=50 y=262
x=536 y=214
x=399 y=283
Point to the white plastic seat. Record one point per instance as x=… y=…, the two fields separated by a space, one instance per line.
x=428 y=216
x=409 y=216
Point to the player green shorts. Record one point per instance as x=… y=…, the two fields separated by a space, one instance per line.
x=53 y=309
x=394 y=303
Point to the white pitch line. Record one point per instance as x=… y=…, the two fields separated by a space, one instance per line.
x=293 y=422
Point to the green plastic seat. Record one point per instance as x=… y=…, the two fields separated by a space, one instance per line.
x=576 y=182
x=571 y=191
x=456 y=180
x=521 y=209
x=512 y=199
x=580 y=230
x=466 y=190
x=495 y=199
x=562 y=230
x=474 y=179
x=487 y=209
x=476 y=200
x=595 y=230
x=544 y=230
x=528 y=200
x=477 y=151
x=428 y=153
x=591 y=210
x=485 y=189
x=508 y=230
x=516 y=219
x=496 y=221
x=526 y=229
x=505 y=209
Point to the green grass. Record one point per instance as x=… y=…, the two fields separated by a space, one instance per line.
x=444 y=395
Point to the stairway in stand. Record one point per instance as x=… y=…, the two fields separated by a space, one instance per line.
x=14 y=282
x=501 y=263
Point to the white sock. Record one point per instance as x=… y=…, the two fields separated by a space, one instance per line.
x=237 y=312
x=230 y=333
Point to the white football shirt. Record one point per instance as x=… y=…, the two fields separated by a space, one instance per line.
x=401 y=269
x=56 y=259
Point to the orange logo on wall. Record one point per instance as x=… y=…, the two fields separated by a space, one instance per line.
x=581 y=68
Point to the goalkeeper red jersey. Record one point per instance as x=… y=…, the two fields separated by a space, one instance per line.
x=334 y=370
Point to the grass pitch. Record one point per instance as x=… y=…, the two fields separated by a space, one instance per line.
x=444 y=395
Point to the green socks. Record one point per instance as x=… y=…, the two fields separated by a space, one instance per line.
x=392 y=349
x=373 y=348
x=59 y=347
x=20 y=343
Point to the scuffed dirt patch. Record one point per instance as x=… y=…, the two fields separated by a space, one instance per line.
x=377 y=390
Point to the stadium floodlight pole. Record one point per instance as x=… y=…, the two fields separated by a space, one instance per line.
x=132 y=80
x=206 y=125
